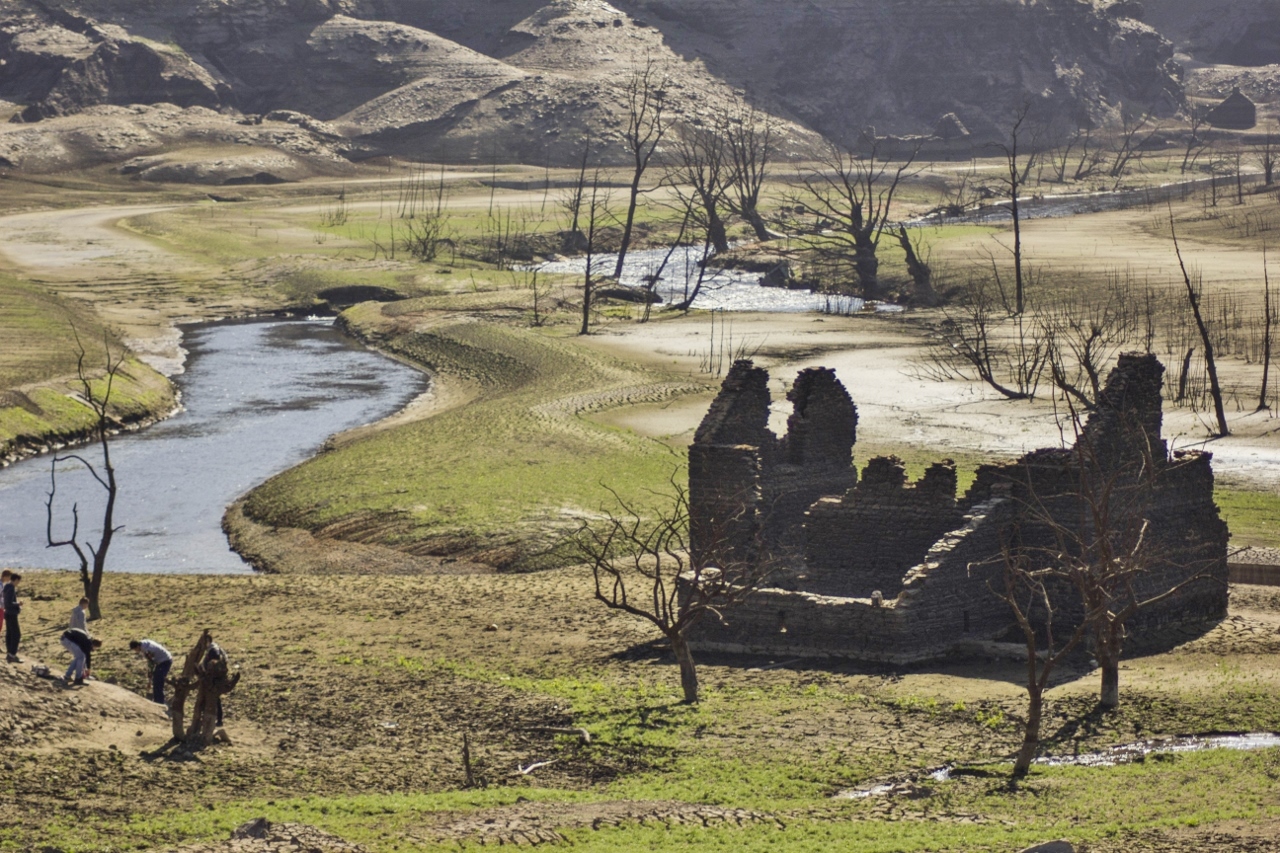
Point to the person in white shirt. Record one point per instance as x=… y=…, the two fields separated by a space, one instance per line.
x=161 y=661
x=79 y=616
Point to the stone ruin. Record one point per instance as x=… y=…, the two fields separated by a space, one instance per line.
x=879 y=569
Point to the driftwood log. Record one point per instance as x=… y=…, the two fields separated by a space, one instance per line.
x=211 y=680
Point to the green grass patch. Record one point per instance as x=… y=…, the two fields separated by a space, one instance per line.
x=39 y=331
x=508 y=472
x=1253 y=517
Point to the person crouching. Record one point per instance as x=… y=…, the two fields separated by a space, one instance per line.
x=81 y=646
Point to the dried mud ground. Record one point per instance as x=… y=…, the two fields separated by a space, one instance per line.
x=357 y=690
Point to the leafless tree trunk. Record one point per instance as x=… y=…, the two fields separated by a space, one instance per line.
x=1027 y=591
x=99 y=402
x=646 y=127
x=571 y=202
x=210 y=677
x=1266 y=333
x=749 y=137
x=700 y=178
x=919 y=270
x=1193 y=299
x=654 y=277
x=972 y=343
x=1196 y=144
x=597 y=205
x=1109 y=548
x=1018 y=164
x=1135 y=131
x=1091 y=157
x=642 y=565
x=855 y=195
x=1266 y=153
x=1084 y=334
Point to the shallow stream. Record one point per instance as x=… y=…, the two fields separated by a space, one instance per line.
x=1123 y=754
x=724 y=290
x=258 y=397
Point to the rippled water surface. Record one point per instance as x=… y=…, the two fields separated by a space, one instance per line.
x=726 y=290
x=258 y=398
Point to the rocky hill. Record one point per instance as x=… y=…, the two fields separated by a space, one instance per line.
x=528 y=79
x=1229 y=32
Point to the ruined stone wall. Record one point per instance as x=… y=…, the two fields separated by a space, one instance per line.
x=1188 y=538
x=724 y=502
x=937 y=561
x=946 y=600
x=812 y=460
x=867 y=539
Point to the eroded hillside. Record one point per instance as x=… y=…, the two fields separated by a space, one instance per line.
x=528 y=79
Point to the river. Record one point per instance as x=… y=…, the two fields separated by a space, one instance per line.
x=258 y=397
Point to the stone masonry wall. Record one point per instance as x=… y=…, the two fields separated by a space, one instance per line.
x=867 y=539
x=935 y=560
x=812 y=460
x=945 y=601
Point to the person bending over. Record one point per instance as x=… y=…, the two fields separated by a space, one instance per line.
x=81 y=646
x=159 y=659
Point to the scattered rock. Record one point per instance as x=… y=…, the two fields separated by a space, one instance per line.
x=256 y=828
x=1050 y=847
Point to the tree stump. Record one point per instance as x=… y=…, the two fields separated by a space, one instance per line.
x=206 y=670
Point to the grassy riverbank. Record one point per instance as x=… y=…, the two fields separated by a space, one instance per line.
x=500 y=477
x=356 y=691
x=39 y=391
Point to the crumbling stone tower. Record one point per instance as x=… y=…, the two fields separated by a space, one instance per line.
x=748 y=489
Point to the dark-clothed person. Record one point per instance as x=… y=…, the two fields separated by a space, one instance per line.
x=12 y=630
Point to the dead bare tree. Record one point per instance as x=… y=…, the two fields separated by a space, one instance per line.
x=571 y=204
x=1195 y=144
x=207 y=670
x=1094 y=530
x=642 y=564
x=96 y=394
x=1266 y=332
x=922 y=292
x=647 y=125
x=978 y=340
x=1019 y=158
x=1030 y=593
x=1193 y=300
x=749 y=138
x=1080 y=145
x=1266 y=152
x=1083 y=335
x=1135 y=131
x=425 y=234
x=700 y=179
x=596 y=210
x=654 y=276
x=853 y=195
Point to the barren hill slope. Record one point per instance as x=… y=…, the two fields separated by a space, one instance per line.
x=527 y=79
x=1232 y=32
